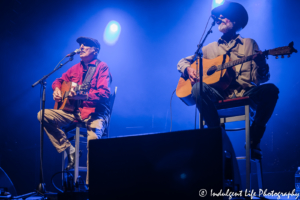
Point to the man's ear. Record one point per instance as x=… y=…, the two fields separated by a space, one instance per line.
x=96 y=51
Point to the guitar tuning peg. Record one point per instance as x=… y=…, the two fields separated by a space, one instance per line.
x=289 y=56
x=276 y=57
x=282 y=56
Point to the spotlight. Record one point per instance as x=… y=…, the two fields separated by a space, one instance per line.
x=112 y=32
x=114 y=27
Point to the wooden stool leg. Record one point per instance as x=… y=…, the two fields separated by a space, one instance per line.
x=248 y=153
x=77 y=140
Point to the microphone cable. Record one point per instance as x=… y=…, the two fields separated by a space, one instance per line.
x=171 y=109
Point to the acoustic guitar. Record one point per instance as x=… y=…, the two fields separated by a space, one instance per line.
x=219 y=72
x=67 y=103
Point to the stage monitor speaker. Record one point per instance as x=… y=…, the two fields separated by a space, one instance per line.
x=6 y=184
x=173 y=165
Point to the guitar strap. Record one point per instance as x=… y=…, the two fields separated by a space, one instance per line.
x=88 y=77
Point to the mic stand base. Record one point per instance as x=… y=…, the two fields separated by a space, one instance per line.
x=41 y=188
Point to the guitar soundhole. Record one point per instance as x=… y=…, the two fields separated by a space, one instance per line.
x=211 y=70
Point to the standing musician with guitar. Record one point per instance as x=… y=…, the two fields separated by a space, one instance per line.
x=245 y=78
x=82 y=95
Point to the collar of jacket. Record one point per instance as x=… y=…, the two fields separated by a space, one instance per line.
x=238 y=39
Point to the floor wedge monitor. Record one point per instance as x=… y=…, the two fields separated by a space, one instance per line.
x=175 y=165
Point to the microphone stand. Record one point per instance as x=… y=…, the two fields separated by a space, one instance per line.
x=41 y=187
x=199 y=71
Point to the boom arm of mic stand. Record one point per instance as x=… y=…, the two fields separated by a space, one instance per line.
x=198 y=54
x=46 y=76
x=41 y=187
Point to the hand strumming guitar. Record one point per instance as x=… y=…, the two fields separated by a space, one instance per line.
x=57 y=95
x=191 y=72
x=77 y=96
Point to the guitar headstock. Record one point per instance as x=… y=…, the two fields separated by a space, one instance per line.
x=281 y=51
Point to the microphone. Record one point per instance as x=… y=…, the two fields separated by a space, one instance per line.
x=73 y=53
x=216 y=19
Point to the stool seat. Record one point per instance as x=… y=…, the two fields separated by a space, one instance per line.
x=231 y=110
x=236 y=102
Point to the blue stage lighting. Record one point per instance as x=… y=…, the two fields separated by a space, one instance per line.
x=216 y=3
x=112 y=32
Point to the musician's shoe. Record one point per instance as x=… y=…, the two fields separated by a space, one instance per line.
x=71 y=159
x=256 y=133
x=222 y=125
x=256 y=153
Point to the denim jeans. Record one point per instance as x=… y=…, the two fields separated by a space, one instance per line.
x=264 y=96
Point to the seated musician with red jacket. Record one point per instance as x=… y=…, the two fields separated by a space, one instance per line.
x=92 y=107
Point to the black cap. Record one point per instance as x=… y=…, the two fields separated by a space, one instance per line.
x=233 y=11
x=89 y=42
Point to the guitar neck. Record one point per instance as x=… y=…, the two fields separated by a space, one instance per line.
x=235 y=62
x=286 y=50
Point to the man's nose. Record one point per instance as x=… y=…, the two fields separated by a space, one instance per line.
x=81 y=46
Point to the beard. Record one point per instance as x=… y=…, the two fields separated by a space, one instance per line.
x=225 y=28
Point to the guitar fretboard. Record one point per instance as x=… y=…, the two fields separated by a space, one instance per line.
x=235 y=62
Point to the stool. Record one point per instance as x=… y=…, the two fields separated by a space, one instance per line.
x=80 y=131
x=241 y=109
x=77 y=133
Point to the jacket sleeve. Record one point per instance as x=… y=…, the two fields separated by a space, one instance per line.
x=256 y=77
x=102 y=89
x=184 y=63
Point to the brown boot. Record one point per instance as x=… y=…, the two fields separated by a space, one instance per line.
x=71 y=160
